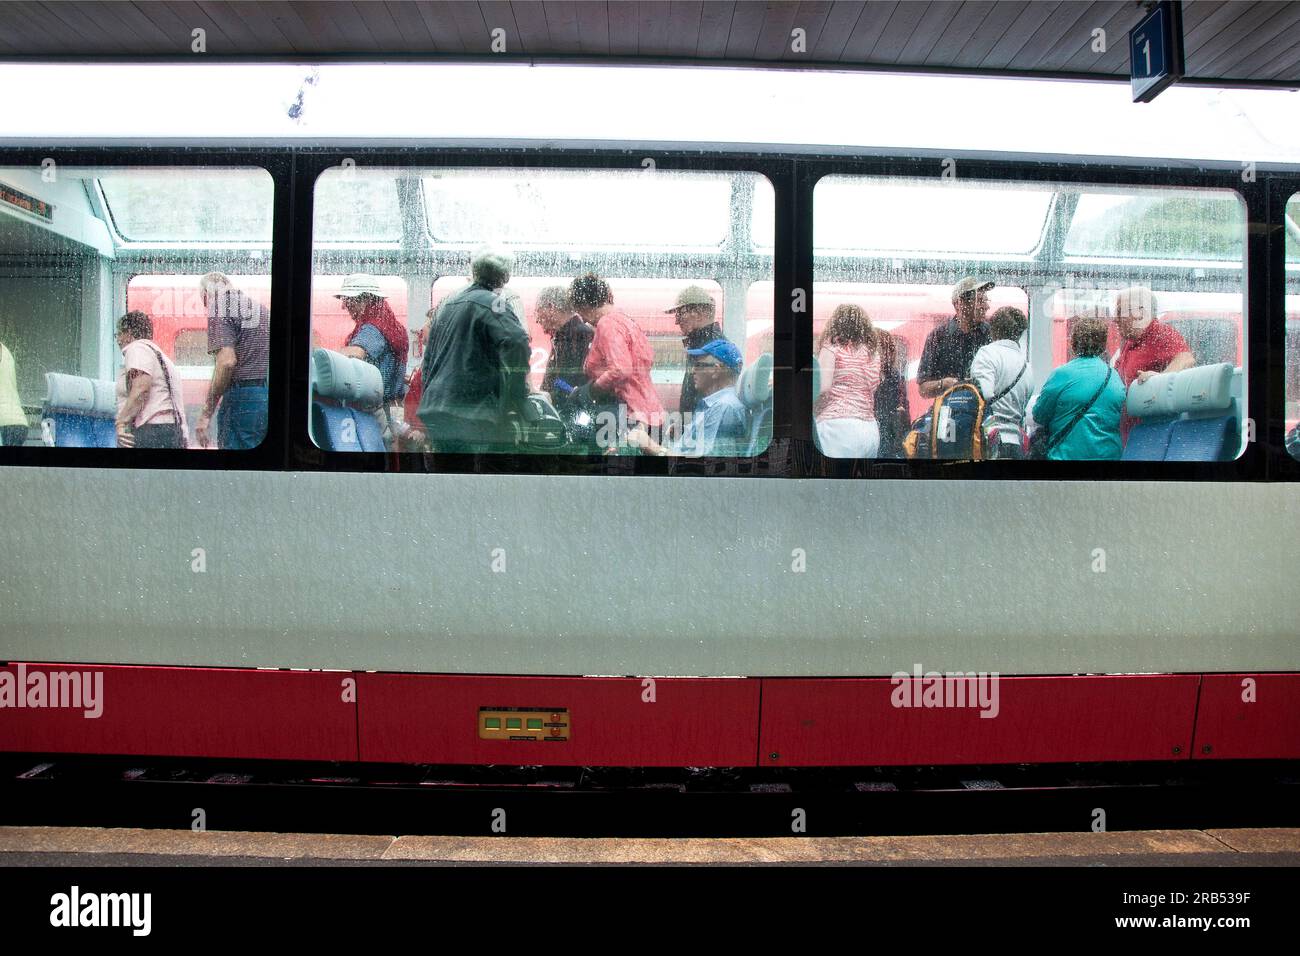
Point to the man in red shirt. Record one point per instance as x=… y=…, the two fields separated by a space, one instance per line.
x=1148 y=347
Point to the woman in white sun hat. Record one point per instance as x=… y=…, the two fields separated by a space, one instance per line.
x=378 y=336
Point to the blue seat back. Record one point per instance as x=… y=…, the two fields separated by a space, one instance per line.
x=79 y=412
x=336 y=428
x=1203 y=439
x=1148 y=440
x=344 y=392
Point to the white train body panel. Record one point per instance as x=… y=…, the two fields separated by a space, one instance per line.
x=646 y=576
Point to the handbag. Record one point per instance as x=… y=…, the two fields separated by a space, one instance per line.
x=1040 y=446
x=539 y=426
x=994 y=444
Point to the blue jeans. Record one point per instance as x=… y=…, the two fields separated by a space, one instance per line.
x=241 y=419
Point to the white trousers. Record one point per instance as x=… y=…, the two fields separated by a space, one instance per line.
x=848 y=437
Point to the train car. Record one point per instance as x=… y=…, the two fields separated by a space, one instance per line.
x=771 y=608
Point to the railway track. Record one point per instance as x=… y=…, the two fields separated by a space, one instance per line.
x=228 y=795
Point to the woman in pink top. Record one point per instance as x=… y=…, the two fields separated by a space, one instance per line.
x=150 y=407
x=619 y=359
x=850 y=374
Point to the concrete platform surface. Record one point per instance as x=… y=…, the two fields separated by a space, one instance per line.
x=92 y=846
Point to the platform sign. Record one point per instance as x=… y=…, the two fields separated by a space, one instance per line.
x=1155 y=49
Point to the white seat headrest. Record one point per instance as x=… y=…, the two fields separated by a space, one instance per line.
x=1152 y=398
x=81 y=395
x=346 y=379
x=105 y=396
x=1206 y=388
x=755 y=383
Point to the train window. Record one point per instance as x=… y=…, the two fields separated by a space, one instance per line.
x=863 y=217
x=763 y=226
x=1029 y=313
x=189 y=205
x=561 y=305
x=1292 y=299
x=580 y=208
x=1293 y=229
x=110 y=338
x=1157 y=224
x=351 y=209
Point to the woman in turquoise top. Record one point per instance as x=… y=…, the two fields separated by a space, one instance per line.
x=1068 y=390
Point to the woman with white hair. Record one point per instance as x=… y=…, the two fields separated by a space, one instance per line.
x=570 y=342
x=1148 y=346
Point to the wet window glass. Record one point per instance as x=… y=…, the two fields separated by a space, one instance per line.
x=548 y=312
x=189 y=205
x=861 y=216
x=1292 y=299
x=553 y=208
x=1035 y=321
x=1157 y=224
x=134 y=307
x=1293 y=229
x=357 y=210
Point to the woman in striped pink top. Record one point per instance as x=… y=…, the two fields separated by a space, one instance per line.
x=849 y=360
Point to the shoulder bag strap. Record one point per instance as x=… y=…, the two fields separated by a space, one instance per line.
x=167 y=379
x=178 y=411
x=1057 y=439
x=1014 y=382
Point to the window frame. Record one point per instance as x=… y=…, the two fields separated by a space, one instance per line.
x=278 y=164
x=305 y=454
x=1271 y=429
x=1253 y=461
x=793 y=173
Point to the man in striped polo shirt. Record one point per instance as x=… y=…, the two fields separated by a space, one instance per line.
x=239 y=336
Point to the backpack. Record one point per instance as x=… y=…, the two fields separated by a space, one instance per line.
x=539 y=426
x=952 y=428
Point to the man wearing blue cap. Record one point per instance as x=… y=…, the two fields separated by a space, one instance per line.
x=720 y=423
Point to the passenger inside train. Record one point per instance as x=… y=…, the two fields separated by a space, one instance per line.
x=239 y=331
x=942 y=315
x=134 y=306
x=1159 y=268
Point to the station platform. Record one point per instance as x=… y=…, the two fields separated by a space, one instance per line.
x=63 y=846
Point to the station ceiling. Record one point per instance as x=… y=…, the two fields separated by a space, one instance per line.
x=1231 y=42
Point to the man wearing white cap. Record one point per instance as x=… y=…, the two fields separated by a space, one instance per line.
x=950 y=348
x=1149 y=346
x=695 y=317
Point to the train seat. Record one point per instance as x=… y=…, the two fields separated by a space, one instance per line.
x=1203 y=439
x=755 y=390
x=1148 y=440
x=1191 y=415
x=344 y=392
x=78 y=412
